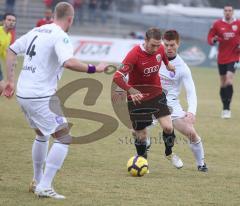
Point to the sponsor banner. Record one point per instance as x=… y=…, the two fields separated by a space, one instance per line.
x=95 y=49
x=197 y=53
x=113 y=50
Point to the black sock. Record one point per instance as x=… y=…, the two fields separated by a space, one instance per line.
x=229 y=93
x=169 y=142
x=141 y=148
x=223 y=96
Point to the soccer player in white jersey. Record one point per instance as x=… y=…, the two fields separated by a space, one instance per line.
x=47 y=49
x=183 y=121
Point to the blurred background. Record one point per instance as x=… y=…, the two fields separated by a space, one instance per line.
x=130 y=19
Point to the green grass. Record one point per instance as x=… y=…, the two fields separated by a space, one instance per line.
x=95 y=174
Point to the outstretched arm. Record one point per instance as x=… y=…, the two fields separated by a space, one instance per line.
x=78 y=66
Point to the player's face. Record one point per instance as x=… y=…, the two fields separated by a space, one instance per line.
x=152 y=45
x=48 y=14
x=171 y=48
x=10 y=22
x=228 y=12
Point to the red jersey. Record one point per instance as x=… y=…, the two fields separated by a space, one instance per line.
x=229 y=40
x=143 y=71
x=43 y=22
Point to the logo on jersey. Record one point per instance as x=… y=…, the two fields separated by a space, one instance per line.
x=228 y=35
x=150 y=70
x=59 y=120
x=66 y=40
x=234 y=27
x=171 y=74
x=158 y=57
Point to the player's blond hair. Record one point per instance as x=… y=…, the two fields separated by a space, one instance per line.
x=63 y=10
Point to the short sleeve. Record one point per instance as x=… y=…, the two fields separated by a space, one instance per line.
x=20 y=45
x=63 y=49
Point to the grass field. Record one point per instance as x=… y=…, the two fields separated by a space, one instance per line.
x=95 y=174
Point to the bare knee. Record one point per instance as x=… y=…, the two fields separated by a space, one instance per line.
x=39 y=133
x=62 y=135
x=168 y=129
x=141 y=134
x=192 y=134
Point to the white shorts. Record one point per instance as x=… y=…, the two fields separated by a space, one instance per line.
x=177 y=111
x=44 y=114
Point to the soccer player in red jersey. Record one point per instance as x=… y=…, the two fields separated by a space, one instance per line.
x=48 y=19
x=145 y=96
x=226 y=32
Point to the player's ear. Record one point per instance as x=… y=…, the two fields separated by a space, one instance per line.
x=70 y=19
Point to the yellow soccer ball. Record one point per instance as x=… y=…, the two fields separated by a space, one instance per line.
x=137 y=166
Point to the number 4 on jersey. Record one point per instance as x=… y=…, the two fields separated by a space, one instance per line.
x=31 y=49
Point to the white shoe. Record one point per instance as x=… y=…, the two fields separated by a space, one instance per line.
x=226 y=114
x=176 y=161
x=48 y=192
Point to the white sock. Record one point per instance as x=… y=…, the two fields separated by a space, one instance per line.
x=39 y=153
x=197 y=149
x=54 y=162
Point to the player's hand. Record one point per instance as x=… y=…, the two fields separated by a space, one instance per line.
x=135 y=95
x=171 y=68
x=9 y=89
x=101 y=67
x=216 y=39
x=190 y=117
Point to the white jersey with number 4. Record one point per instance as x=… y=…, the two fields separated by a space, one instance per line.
x=172 y=84
x=45 y=50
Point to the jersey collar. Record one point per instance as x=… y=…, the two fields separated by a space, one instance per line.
x=224 y=20
x=142 y=47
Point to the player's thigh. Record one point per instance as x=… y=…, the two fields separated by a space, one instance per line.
x=44 y=115
x=230 y=73
x=222 y=70
x=24 y=107
x=140 y=115
x=229 y=78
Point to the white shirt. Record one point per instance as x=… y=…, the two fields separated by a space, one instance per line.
x=45 y=49
x=172 y=84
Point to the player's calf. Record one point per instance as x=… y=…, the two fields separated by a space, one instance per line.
x=168 y=139
x=141 y=142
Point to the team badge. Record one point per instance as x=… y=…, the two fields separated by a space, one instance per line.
x=234 y=27
x=59 y=120
x=66 y=40
x=158 y=57
x=172 y=74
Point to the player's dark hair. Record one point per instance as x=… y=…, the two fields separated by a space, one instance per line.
x=8 y=14
x=62 y=10
x=228 y=5
x=153 y=33
x=171 y=35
